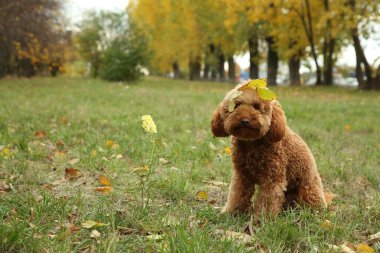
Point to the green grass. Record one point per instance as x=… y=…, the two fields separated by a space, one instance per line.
x=341 y=126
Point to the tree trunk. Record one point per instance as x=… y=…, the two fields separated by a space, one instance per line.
x=206 y=71
x=222 y=74
x=195 y=69
x=376 y=84
x=272 y=62
x=308 y=28
x=361 y=59
x=231 y=69
x=176 y=70
x=253 y=44
x=294 y=70
x=328 y=50
x=328 y=61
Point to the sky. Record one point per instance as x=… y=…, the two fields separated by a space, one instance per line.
x=75 y=9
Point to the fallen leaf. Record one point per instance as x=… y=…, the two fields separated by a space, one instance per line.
x=6 y=152
x=364 y=248
x=215 y=183
x=109 y=143
x=374 y=238
x=212 y=202
x=4 y=186
x=141 y=170
x=64 y=120
x=74 y=161
x=171 y=220
x=71 y=228
x=47 y=186
x=127 y=231
x=91 y=224
x=104 y=181
x=235 y=236
x=212 y=146
x=51 y=235
x=163 y=161
x=71 y=173
x=59 y=154
x=347 y=128
x=60 y=144
x=154 y=237
x=104 y=189
x=202 y=196
x=40 y=134
x=227 y=150
x=345 y=249
x=95 y=234
x=326 y=224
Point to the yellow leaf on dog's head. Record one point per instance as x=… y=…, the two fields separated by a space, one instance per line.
x=259 y=83
x=266 y=94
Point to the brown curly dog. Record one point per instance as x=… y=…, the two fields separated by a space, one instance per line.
x=267 y=154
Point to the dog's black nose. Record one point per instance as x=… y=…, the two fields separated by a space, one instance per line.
x=244 y=122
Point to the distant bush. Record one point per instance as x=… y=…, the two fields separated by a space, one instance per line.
x=107 y=42
x=122 y=61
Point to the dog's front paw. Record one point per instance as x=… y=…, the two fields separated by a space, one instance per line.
x=226 y=209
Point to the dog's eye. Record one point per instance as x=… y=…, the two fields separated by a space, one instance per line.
x=236 y=106
x=256 y=106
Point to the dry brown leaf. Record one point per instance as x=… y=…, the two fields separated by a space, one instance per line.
x=235 y=236
x=372 y=239
x=163 y=161
x=104 y=189
x=74 y=161
x=71 y=173
x=212 y=202
x=71 y=228
x=4 y=186
x=104 y=181
x=127 y=231
x=88 y=249
x=64 y=120
x=215 y=183
x=47 y=186
x=40 y=134
x=60 y=144
x=59 y=154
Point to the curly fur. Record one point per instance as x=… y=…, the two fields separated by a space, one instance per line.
x=267 y=157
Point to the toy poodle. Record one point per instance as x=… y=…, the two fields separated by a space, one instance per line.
x=268 y=157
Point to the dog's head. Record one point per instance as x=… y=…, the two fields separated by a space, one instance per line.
x=252 y=118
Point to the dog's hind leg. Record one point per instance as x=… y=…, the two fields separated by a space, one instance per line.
x=312 y=195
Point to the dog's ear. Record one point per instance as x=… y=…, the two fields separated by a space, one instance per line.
x=217 y=125
x=278 y=124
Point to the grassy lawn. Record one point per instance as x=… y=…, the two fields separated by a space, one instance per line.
x=49 y=125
